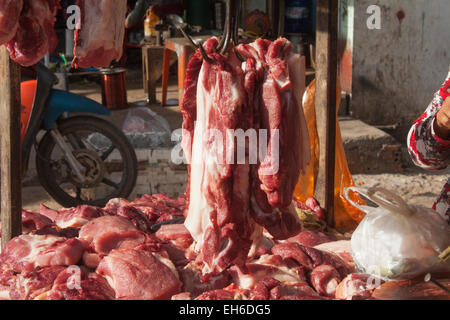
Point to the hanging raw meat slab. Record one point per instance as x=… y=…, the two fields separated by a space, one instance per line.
x=9 y=18
x=227 y=198
x=218 y=215
x=99 y=39
x=35 y=35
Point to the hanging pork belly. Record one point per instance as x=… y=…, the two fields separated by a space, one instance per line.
x=100 y=33
x=231 y=196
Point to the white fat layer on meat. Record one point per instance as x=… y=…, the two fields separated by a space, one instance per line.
x=197 y=219
x=297 y=69
x=284 y=274
x=75 y=222
x=166 y=262
x=36 y=243
x=331 y=287
x=256 y=238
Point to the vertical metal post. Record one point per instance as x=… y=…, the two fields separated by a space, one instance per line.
x=11 y=182
x=326 y=84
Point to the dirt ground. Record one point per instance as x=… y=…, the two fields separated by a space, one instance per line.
x=415 y=186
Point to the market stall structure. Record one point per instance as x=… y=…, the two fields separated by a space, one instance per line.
x=326 y=79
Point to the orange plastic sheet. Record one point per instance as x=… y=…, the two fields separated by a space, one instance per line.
x=346 y=216
x=27 y=92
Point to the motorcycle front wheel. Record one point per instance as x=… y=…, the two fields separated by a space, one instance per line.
x=106 y=155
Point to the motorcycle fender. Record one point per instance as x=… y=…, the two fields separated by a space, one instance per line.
x=63 y=101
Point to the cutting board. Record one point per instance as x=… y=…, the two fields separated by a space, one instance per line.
x=415 y=289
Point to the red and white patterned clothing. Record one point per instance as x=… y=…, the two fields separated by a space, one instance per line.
x=429 y=151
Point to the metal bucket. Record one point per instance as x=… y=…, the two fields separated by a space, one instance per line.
x=114 y=91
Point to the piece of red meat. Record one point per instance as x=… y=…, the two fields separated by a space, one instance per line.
x=357 y=286
x=267 y=266
x=29 y=285
x=218 y=215
x=136 y=217
x=9 y=19
x=72 y=217
x=274 y=90
x=310 y=257
x=35 y=35
x=79 y=286
x=27 y=252
x=193 y=282
x=177 y=233
x=311 y=205
x=182 y=296
x=106 y=224
x=311 y=238
x=32 y=221
x=99 y=38
x=140 y=274
x=271 y=289
x=219 y=294
x=325 y=280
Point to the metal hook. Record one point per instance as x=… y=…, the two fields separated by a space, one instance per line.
x=230 y=36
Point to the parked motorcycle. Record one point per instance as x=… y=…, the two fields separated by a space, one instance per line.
x=80 y=159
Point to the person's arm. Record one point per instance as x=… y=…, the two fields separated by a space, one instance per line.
x=137 y=14
x=428 y=140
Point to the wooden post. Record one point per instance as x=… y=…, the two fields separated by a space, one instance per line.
x=11 y=182
x=326 y=82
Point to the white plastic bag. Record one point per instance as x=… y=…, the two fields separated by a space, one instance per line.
x=397 y=240
x=146 y=129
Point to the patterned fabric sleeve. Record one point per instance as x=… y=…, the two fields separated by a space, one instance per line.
x=427 y=150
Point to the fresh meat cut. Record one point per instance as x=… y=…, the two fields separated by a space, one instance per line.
x=218 y=215
x=99 y=38
x=274 y=87
x=193 y=282
x=226 y=193
x=110 y=258
x=72 y=217
x=96 y=228
x=311 y=258
x=357 y=285
x=29 y=285
x=325 y=280
x=26 y=252
x=341 y=248
x=311 y=238
x=35 y=34
x=9 y=18
x=267 y=266
x=86 y=286
x=140 y=274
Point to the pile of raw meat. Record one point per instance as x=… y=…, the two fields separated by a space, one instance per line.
x=27 y=30
x=115 y=253
x=241 y=237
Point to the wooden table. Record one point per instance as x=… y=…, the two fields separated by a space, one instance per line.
x=152 y=57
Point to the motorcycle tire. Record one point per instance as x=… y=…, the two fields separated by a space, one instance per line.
x=46 y=174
